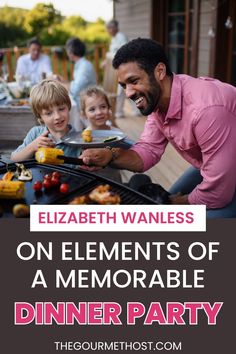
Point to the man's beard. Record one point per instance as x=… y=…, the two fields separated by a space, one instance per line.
x=152 y=97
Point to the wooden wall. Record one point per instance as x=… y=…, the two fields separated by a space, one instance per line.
x=205 y=42
x=134 y=17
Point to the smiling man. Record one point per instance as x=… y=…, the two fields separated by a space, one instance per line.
x=196 y=115
x=33 y=65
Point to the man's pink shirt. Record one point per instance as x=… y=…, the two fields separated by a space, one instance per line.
x=201 y=125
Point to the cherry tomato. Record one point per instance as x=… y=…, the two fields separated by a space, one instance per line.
x=37 y=186
x=56 y=174
x=47 y=184
x=64 y=188
x=55 y=181
x=48 y=176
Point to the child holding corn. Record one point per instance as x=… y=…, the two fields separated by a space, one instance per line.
x=51 y=104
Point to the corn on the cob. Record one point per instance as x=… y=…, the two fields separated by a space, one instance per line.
x=87 y=136
x=49 y=155
x=12 y=189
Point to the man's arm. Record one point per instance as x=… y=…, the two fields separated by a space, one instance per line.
x=116 y=157
x=215 y=131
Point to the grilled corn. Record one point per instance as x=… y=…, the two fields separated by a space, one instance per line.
x=87 y=136
x=12 y=189
x=49 y=155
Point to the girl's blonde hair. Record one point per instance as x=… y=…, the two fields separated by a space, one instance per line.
x=46 y=94
x=89 y=92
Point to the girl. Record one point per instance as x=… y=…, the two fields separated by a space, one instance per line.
x=95 y=107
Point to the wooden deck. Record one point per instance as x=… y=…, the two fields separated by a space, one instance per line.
x=171 y=166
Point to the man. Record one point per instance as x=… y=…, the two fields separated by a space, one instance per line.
x=33 y=66
x=196 y=115
x=117 y=38
x=84 y=74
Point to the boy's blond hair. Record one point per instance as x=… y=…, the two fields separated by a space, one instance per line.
x=89 y=92
x=46 y=94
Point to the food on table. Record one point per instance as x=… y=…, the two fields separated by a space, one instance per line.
x=22 y=173
x=103 y=195
x=49 y=155
x=21 y=210
x=8 y=176
x=55 y=156
x=20 y=102
x=37 y=186
x=51 y=180
x=12 y=190
x=56 y=174
x=47 y=184
x=64 y=188
x=55 y=181
x=48 y=176
x=87 y=136
x=82 y=199
x=110 y=138
x=100 y=195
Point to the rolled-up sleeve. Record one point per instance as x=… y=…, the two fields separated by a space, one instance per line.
x=151 y=144
x=215 y=130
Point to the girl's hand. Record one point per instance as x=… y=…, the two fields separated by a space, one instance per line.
x=43 y=141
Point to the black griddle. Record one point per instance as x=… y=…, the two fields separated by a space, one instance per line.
x=81 y=182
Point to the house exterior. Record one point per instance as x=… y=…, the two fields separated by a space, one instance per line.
x=199 y=36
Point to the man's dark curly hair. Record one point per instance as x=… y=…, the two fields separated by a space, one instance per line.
x=146 y=52
x=76 y=46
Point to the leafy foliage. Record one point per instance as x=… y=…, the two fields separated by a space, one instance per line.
x=45 y=22
x=40 y=17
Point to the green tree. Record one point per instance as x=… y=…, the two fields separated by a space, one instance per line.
x=11 y=26
x=42 y=16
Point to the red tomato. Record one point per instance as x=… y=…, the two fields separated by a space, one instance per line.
x=48 y=176
x=55 y=181
x=37 y=186
x=47 y=184
x=56 y=174
x=64 y=188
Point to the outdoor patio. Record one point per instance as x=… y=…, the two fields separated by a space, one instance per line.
x=165 y=172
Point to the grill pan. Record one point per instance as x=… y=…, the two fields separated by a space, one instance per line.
x=80 y=181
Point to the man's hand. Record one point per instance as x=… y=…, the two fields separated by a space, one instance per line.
x=96 y=157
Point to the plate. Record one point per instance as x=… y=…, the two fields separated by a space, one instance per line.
x=75 y=138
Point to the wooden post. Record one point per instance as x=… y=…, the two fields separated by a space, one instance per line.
x=9 y=65
x=55 y=63
x=64 y=68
